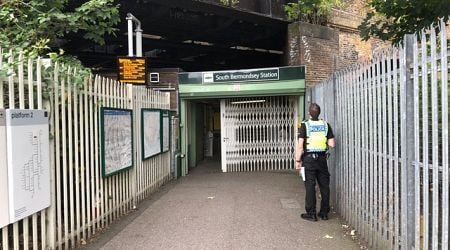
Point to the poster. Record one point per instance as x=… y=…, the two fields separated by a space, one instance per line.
x=165 y=130
x=117 y=140
x=28 y=159
x=151 y=132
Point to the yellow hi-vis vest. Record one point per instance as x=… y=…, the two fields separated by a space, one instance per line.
x=316 y=136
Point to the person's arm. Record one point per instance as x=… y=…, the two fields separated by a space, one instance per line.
x=298 y=157
x=331 y=143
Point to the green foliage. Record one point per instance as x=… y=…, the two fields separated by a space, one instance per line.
x=391 y=20
x=312 y=11
x=32 y=26
x=231 y=3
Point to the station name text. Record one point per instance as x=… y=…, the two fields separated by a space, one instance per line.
x=250 y=76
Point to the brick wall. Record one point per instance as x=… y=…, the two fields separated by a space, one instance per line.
x=325 y=50
x=314 y=46
x=168 y=78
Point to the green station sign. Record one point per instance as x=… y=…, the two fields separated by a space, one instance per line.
x=247 y=82
x=242 y=76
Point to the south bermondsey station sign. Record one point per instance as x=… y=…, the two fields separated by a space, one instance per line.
x=252 y=75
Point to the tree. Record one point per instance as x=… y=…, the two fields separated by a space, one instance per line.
x=311 y=11
x=33 y=26
x=391 y=20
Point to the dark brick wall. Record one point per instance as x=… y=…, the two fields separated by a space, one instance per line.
x=327 y=49
x=315 y=46
x=168 y=78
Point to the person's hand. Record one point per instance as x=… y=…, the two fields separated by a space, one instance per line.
x=298 y=165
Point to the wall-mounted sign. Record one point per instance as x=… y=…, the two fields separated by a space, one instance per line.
x=165 y=131
x=151 y=132
x=132 y=70
x=117 y=140
x=252 y=75
x=24 y=149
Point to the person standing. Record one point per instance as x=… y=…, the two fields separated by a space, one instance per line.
x=314 y=139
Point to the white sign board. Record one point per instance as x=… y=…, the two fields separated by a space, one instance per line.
x=4 y=203
x=151 y=132
x=165 y=129
x=28 y=162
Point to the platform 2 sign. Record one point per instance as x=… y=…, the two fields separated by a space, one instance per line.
x=132 y=70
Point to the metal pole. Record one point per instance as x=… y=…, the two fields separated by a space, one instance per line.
x=130 y=34
x=138 y=31
x=408 y=133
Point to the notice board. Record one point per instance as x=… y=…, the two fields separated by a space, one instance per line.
x=151 y=132
x=165 y=131
x=117 y=140
x=28 y=159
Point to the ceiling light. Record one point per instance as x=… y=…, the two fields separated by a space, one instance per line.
x=249 y=101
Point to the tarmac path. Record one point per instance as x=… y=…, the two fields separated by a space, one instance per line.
x=212 y=210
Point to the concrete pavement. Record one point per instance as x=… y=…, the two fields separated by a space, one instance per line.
x=212 y=210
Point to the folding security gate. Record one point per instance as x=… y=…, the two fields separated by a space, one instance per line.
x=258 y=134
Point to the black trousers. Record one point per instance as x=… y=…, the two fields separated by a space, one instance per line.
x=316 y=169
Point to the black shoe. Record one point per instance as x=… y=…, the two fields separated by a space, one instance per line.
x=323 y=216
x=310 y=217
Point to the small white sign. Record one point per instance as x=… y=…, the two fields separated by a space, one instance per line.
x=208 y=77
x=28 y=162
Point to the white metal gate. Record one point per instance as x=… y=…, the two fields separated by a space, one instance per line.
x=258 y=134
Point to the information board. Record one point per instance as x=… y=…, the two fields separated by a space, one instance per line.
x=151 y=132
x=165 y=131
x=28 y=162
x=117 y=140
x=4 y=203
x=132 y=70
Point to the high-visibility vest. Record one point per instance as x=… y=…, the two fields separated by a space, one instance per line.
x=316 y=136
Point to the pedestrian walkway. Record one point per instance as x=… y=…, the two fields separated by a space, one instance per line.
x=212 y=210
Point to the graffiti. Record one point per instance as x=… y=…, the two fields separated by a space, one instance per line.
x=307 y=50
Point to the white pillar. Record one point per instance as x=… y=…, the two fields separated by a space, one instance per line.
x=139 y=42
x=130 y=35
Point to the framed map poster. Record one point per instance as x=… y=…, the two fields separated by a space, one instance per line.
x=165 y=130
x=151 y=132
x=117 y=140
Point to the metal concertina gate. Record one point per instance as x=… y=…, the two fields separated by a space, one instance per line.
x=258 y=134
x=390 y=174
x=83 y=203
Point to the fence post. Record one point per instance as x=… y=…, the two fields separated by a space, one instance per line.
x=133 y=178
x=408 y=152
x=333 y=123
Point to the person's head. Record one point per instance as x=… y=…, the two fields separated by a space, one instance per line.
x=314 y=111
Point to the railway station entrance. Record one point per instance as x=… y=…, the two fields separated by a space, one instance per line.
x=246 y=119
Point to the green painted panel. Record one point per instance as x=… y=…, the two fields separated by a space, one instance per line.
x=193 y=91
x=183 y=137
x=244 y=76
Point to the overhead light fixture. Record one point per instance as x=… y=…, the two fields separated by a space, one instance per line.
x=249 y=101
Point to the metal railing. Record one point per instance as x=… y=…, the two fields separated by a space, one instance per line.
x=390 y=116
x=83 y=203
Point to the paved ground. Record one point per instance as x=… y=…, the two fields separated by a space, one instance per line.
x=212 y=210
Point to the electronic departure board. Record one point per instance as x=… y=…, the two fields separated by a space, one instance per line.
x=132 y=70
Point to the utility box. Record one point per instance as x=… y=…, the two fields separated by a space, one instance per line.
x=26 y=165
